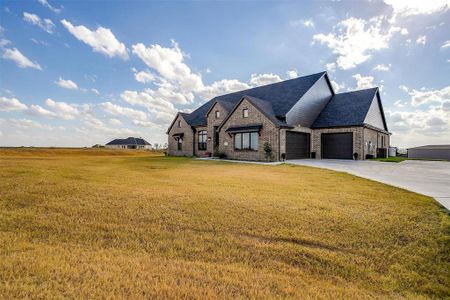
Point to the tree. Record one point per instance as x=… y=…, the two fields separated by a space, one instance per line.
x=267 y=151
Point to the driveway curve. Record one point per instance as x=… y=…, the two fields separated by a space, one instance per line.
x=430 y=178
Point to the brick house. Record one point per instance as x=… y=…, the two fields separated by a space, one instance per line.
x=298 y=118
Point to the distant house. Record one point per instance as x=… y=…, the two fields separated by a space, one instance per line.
x=297 y=118
x=129 y=143
x=430 y=152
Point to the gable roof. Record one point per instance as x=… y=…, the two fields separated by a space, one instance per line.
x=129 y=141
x=348 y=109
x=265 y=107
x=282 y=96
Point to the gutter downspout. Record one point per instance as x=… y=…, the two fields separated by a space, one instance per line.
x=193 y=141
x=279 y=143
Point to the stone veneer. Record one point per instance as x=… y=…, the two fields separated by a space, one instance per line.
x=188 y=139
x=269 y=133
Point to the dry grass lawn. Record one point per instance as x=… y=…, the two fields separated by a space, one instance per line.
x=117 y=224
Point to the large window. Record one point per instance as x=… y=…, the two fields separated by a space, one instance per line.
x=202 y=136
x=246 y=141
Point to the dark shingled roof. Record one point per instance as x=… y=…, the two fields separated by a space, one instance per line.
x=346 y=109
x=129 y=141
x=281 y=95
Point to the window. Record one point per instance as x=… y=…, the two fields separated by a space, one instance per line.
x=202 y=140
x=245 y=113
x=216 y=136
x=246 y=141
x=179 y=144
x=179 y=124
x=217 y=114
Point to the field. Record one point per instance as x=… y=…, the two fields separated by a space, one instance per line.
x=121 y=224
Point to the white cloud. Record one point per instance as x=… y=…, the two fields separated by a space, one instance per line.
x=52 y=8
x=11 y=104
x=292 y=74
x=144 y=124
x=4 y=42
x=399 y=103
x=331 y=67
x=222 y=87
x=21 y=60
x=45 y=24
x=169 y=63
x=115 y=122
x=306 y=23
x=446 y=44
x=39 y=111
x=363 y=82
x=159 y=106
x=67 y=84
x=354 y=40
x=144 y=76
x=116 y=110
x=382 y=67
x=263 y=79
x=421 y=40
x=39 y=42
x=419 y=97
x=403 y=88
x=63 y=110
x=95 y=91
x=336 y=86
x=417 y=7
x=101 y=40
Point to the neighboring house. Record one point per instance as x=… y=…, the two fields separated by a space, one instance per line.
x=129 y=143
x=430 y=152
x=298 y=118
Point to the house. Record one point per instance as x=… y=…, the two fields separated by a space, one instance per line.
x=430 y=152
x=297 y=118
x=129 y=143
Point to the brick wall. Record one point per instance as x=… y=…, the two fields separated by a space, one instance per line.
x=187 y=149
x=213 y=121
x=269 y=133
x=374 y=136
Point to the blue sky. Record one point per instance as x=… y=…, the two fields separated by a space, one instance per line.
x=77 y=73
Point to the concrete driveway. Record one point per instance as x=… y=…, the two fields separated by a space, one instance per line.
x=430 y=178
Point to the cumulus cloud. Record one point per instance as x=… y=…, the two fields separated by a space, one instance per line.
x=292 y=74
x=115 y=122
x=67 y=84
x=159 y=106
x=336 y=86
x=446 y=44
x=143 y=76
x=363 y=82
x=117 y=110
x=222 y=87
x=102 y=40
x=263 y=79
x=63 y=110
x=419 y=97
x=21 y=60
x=382 y=67
x=354 y=40
x=49 y=6
x=39 y=111
x=11 y=104
x=44 y=24
x=4 y=42
x=417 y=7
x=170 y=65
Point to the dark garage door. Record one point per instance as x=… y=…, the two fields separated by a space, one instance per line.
x=297 y=145
x=337 y=145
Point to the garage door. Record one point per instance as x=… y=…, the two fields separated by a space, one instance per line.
x=337 y=145
x=297 y=145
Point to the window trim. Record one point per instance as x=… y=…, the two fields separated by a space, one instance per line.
x=180 y=144
x=250 y=134
x=179 y=123
x=202 y=145
x=217 y=114
x=245 y=110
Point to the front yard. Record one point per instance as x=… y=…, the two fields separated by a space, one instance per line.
x=108 y=224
